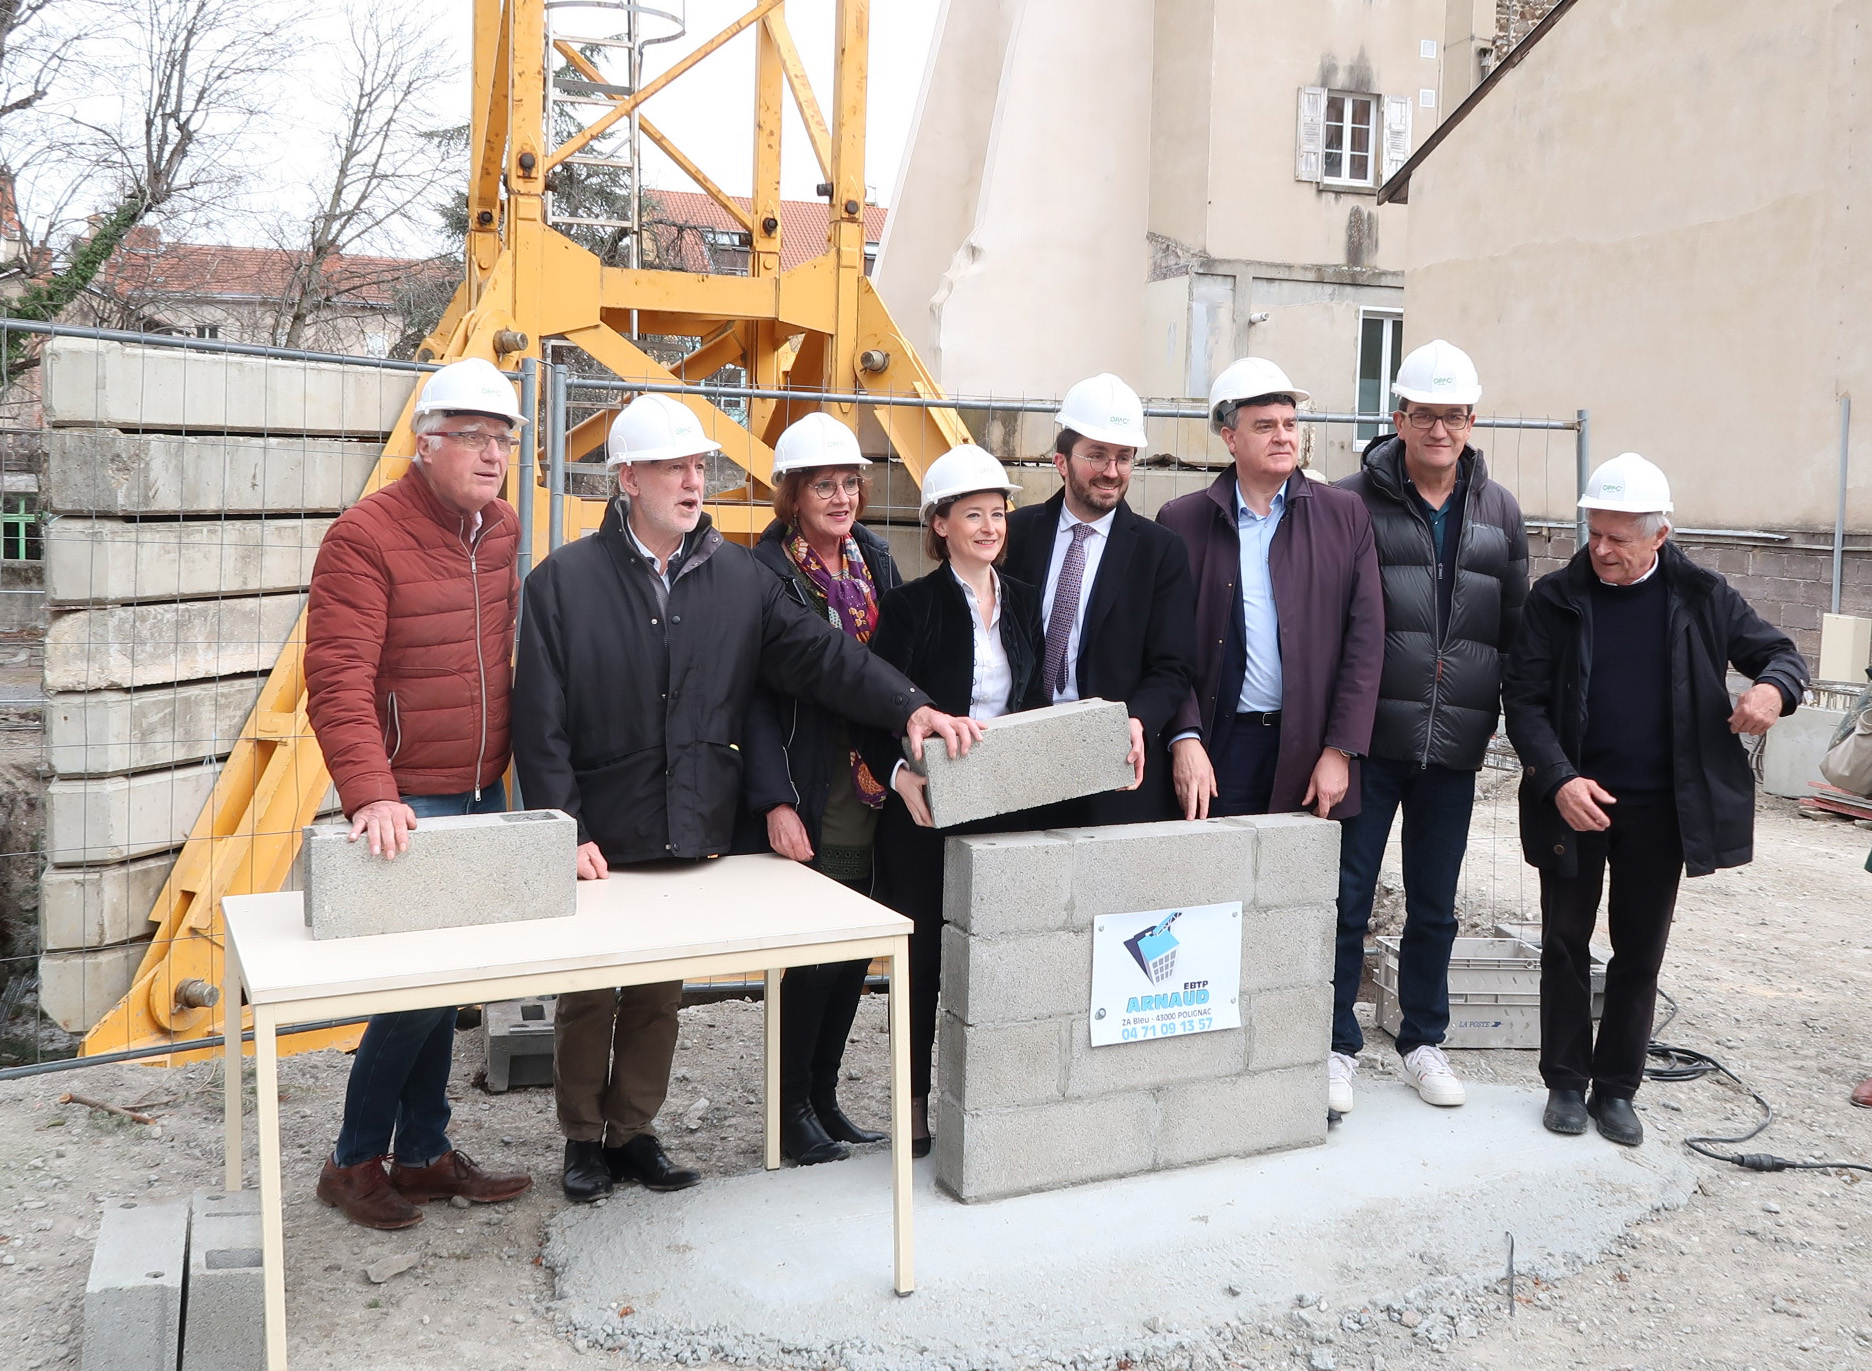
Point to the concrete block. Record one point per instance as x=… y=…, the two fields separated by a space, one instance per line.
x=97 y=732
x=76 y=989
x=1792 y=750
x=472 y=869
x=107 y=472
x=1291 y=946
x=1012 y=980
x=1011 y=1064
x=1033 y=758
x=116 y=817
x=125 y=646
x=98 y=906
x=1290 y=1028
x=997 y=1153
x=133 y=1298
x=1146 y=1065
x=1297 y=858
x=88 y=381
x=1265 y=1112
x=517 y=1038
x=108 y=561
x=224 y=1323
x=1008 y=883
x=1126 y=868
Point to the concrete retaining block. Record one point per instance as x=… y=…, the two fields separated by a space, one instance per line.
x=1268 y=1111
x=1287 y=947
x=1037 y=757
x=996 y=1153
x=133 y=1299
x=108 y=472
x=1016 y=1064
x=125 y=646
x=98 y=732
x=1289 y=1027
x=1146 y=1065
x=1297 y=858
x=89 y=381
x=117 y=817
x=472 y=869
x=1130 y=867
x=93 y=907
x=517 y=1039
x=1012 y=980
x=76 y=989
x=224 y=1325
x=1792 y=751
x=1008 y=883
x=107 y=561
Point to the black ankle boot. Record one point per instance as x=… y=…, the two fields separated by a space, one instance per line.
x=1566 y=1112
x=1618 y=1121
x=802 y=1139
x=837 y=1126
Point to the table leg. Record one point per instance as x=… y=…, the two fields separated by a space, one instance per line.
x=272 y=1220
x=770 y=1005
x=904 y=1258
x=231 y=1060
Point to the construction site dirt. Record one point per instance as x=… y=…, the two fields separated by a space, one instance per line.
x=1769 y=964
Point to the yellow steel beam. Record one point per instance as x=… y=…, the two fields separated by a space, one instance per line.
x=918 y=436
x=694 y=172
x=845 y=234
x=724 y=349
x=776 y=30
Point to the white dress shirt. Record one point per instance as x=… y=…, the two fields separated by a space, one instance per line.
x=988 y=699
x=1094 y=549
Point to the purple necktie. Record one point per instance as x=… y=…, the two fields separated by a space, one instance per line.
x=1065 y=608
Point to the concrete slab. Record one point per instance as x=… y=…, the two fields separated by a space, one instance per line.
x=78 y=988
x=133 y=1298
x=125 y=646
x=91 y=907
x=116 y=817
x=793 y=1268
x=224 y=1323
x=110 y=561
x=1792 y=750
x=108 y=472
x=98 y=732
x=1037 y=757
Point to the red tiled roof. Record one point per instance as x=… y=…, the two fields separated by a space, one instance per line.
x=148 y=268
x=802 y=225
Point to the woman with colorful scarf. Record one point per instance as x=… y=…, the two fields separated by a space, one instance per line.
x=802 y=772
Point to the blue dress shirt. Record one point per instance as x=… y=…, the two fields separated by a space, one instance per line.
x=1261 y=682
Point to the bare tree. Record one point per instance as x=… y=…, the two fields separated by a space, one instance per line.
x=30 y=53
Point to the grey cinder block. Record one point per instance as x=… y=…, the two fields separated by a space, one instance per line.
x=133 y=1298
x=988 y=1155
x=1286 y=947
x=1012 y=1064
x=1146 y=1065
x=1011 y=980
x=1266 y=1111
x=224 y=1325
x=1008 y=883
x=471 y=869
x=1290 y=1028
x=1297 y=858
x=518 y=1038
x=1131 y=867
x=1037 y=757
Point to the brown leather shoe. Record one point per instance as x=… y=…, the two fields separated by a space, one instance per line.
x=1863 y=1095
x=454 y=1173
x=364 y=1194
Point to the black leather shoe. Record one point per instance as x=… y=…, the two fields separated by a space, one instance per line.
x=1618 y=1121
x=643 y=1160
x=1566 y=1112
x=837 y=1126
x=920 y=1148
x=803 y=1141
x=586 y=1177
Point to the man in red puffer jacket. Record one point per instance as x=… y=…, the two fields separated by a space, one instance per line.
x=409 y=633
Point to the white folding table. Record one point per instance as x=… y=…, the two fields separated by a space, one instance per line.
x=662 y=923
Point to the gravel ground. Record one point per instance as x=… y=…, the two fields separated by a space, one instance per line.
x=1770 y=964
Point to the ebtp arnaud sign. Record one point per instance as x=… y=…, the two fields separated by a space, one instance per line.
x=1164 y=973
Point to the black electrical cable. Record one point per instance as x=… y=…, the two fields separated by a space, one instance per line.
x=1687 y=1064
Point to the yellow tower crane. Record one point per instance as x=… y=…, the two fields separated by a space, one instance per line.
x=818 y=327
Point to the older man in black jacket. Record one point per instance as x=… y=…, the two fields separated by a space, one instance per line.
x=1617 y=701
x=640 y=651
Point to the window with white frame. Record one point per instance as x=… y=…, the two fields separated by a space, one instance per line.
x=1349 y=134
x=1380 y=349
x=1350 y=138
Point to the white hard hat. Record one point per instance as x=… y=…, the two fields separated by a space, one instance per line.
x=818 y=440
x=1104 y=409
x=1438 y=373
x=1246 y=379
x=962 y=471
x=1627 y=484
x=655 y=428
x=473 y=385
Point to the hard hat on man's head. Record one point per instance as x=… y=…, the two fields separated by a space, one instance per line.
x=1249 y=378
x=818 y=440
x=473 y=385
x=1627 y=484
x=655 y=428
x=963 y=470
x=1104 y=409
x=1438 y=373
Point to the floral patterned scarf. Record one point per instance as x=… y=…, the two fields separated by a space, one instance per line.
x=850 y=602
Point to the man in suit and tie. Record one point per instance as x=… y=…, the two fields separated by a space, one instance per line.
x=1116 y=596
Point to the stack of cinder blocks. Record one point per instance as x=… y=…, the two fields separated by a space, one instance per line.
x=1027 y=1103
x=188 y=493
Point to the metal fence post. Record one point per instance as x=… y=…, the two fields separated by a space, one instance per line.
x=555 y=454
x=1839 y=504
x=1582 y=463
x=529 y=446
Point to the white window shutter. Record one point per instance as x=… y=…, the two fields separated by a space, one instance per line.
x=1310 y=134
x=1397 y=133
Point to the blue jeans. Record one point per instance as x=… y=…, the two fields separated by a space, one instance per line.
x=1437 y=802
x=399 y=1076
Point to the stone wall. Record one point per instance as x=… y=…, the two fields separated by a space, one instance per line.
x=1025 y=1102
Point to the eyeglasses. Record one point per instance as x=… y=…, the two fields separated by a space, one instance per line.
x=825 y=490
x=1424 y=421
x=501 y=443
x=1107 y=463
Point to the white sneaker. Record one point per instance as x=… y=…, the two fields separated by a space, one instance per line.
x=1429 y=1070
x=1341 y=1071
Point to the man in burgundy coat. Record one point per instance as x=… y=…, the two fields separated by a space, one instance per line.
x=1289 y=619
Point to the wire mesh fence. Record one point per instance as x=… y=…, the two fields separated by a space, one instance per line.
x=170 y=496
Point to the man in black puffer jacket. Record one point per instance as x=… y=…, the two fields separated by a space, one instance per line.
x=1452 y=554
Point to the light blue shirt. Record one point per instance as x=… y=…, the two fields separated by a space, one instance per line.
x=1261 y=682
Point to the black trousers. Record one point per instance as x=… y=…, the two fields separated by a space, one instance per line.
x=909 y=867
x=1643 y=851
x=817 y=1006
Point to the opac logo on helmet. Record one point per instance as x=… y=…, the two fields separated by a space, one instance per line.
x=1611 y=487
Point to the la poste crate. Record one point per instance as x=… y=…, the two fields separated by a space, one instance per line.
x=1494 y=992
